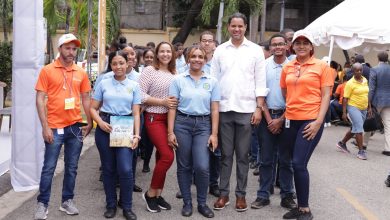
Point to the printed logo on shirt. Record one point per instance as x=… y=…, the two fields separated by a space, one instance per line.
x=206 y=86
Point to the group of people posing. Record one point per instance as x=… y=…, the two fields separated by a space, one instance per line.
x=202 y=112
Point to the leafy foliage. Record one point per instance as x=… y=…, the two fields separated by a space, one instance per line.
x=6 y=64
x=231 y=6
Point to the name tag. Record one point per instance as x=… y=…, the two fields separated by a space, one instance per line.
x=60 y=131
x=69 y=103
x=287 y=123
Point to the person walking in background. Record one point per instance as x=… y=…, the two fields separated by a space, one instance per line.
x=305 y=83
x=154 y=82
x=194 y=131
x=355 y=102
x=378 y=95
x=117 y=96
x=238 y=65
x=63 y=83
x=270 y=129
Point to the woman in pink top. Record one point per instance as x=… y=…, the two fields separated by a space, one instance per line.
x=154 y=82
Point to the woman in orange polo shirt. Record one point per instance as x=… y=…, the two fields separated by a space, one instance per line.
x=305 y=83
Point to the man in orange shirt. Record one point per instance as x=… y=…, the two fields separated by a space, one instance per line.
x=62 y=82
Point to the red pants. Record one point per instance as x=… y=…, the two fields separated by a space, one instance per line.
x=156 y=127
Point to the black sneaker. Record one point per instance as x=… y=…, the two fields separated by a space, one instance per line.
x=151 y=203
x=256 y=172
x=295 y=213
x=387 y=182
x=214 y=190
x=342 y=147
x=163 y=204
x=288 y=203
x=146 y=168
x=260 y=203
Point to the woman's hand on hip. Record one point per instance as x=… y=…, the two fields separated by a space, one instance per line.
x=311 y=129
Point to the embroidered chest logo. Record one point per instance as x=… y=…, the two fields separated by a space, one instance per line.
x=206 y=86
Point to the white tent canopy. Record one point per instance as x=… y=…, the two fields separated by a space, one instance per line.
x=359 y=24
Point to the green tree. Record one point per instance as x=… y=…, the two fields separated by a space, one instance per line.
x=231 y=6
x=6 y=16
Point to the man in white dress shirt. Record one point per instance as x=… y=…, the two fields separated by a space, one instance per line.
x=239 y=66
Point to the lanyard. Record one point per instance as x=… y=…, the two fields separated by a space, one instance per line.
x=66 y=84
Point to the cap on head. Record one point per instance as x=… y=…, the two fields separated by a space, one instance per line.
x=305 y=34
x=67 y=38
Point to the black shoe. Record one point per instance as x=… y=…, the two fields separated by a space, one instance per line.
x=253 y=165
x=120 y=203
x=205 y=211
x=110 y=213
x=288 y=203
x=186 y=211
x=137 y=188
x=214 y=190
x=387 y=182
x=129 y=215
x=151 y=203
x=146 y=168
x=163 y=204
x=387 y=153
x=295 y=213
x=260 y=203
x=178 y=195
x=256 y=172
x=101 y=177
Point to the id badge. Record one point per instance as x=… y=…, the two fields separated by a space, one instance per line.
x=60 y=131
x=287 y=123
x=69 y=103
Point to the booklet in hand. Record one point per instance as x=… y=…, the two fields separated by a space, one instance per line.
x=122 y=131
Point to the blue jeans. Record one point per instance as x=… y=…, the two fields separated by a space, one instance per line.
x=336 y=109
x=72 y=140
x=116 y=162
x=192 y=134
x=269 y=151
x=301 y=150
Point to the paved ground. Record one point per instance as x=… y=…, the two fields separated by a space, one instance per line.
x=342 y=187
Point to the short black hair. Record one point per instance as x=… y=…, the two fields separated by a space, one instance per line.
x=275 y=36
x=383 y=56
x=238 y=15
x=359 y=59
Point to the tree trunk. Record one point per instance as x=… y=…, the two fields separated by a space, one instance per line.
x=77 y=18
x=67 y=18
x=5 y=20
x=186 y=27
x=253 y=27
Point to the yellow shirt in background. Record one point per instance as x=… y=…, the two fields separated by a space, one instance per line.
x=357 y=93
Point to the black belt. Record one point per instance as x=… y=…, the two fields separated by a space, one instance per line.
x=191 y=116
x=276 y=111
x=105 y=114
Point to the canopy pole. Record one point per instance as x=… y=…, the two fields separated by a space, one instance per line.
x=331 y=48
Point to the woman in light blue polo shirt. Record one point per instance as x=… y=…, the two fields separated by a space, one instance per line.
x=193 y=129
x=116 y=96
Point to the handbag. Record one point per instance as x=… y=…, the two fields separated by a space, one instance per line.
x=374 y=122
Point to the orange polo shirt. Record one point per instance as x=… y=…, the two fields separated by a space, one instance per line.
x=303 y=83
x=55 y=80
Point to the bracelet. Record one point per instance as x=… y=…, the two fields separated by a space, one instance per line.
x=169 y=134
x=137 y=136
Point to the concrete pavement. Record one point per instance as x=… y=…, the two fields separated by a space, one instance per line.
x=342 y=187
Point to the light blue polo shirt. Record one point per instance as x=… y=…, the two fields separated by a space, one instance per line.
x=274 y=99
x=133 y=75
x=195 y=97
x=117 y=97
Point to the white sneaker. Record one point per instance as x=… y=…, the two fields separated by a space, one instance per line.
x=41 y=211
x=69 y=207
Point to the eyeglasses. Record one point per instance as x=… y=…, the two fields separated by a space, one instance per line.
x=278 y=45
x=207 y=41
x=297 y=70
x=302 y=43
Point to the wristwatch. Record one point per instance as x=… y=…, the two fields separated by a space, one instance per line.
x=260 y=107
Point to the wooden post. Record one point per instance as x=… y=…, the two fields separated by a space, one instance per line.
x=102 y=35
